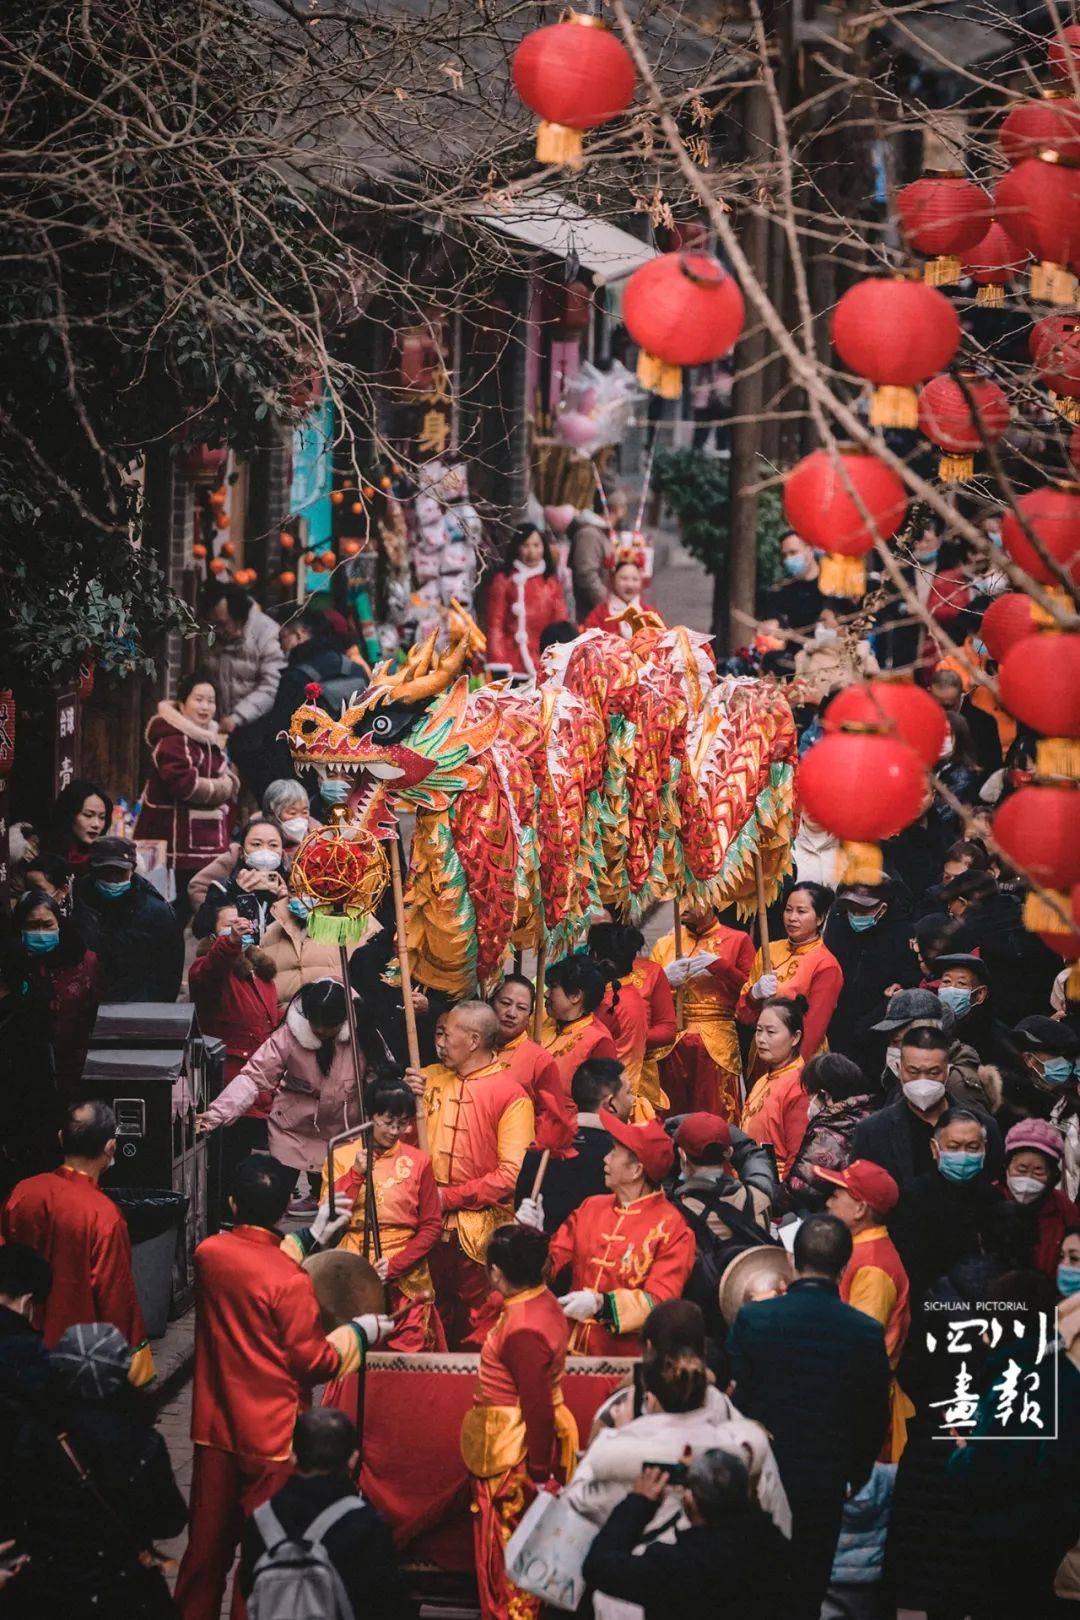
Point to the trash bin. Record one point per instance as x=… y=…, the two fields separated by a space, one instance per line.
x=154 y=1218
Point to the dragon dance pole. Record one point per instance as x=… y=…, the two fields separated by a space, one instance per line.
x=406 y=979
x=372 y=1240
x=680 y=994
x=762 y=917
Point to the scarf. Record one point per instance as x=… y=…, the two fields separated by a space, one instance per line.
x=521 y=576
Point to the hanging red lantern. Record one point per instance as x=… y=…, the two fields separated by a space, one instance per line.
x=896 y=333
x=961 y=415
x=820 y=507
x=204 y=463
x=1036 y=829
x=1055 y=348
x=993 y=262
x=1039 y=682
x=287 y=579
x=943 y=215
x=198 y=551
x=898 y=708
x=683 y=309
x=1063 y=56
x=86 y=679
x=1053 y=515
x=861 y=787
x=1038 y=203
x=1006 y=621
x=574 y=75
x=217 y=565
x=1050 y=124
x=7 y=731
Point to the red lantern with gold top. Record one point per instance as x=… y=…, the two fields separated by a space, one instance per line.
x=1055 y=349
x=1063 y=56
x=892 y=707
x=574 y=75
x=943 y=215
x=993 y=262
x=1036 y=828
x=896 y=332
x=962 y=415
x=861 y=787
x=1038 y=203
x=1050 y=124
x=820 y=507
x=682 y=309
x=1006 y=621
x=1053 y=515
x=1039 y=682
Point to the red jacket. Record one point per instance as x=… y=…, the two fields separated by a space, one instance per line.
x=573 y=1043
x=536 y=1072
x=81 y=1233
x=189 y=790
x=517 y=611
x=240 y=1009
x=521 y=1364
x=604 y=616
x=74 y=991
x=1055 y=1214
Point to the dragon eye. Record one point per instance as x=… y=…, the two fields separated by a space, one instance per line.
x=308 y=726
x=381 y=724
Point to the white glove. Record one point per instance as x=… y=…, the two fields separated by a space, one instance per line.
x=700 y=965
x=676 y=972
x=530 y=1212
x=374 y=1328
x=764 y=987
x=324 y=1229
x=582 y=1305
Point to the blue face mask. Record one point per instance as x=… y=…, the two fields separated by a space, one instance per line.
x=795 y=564
x=979 y=646
x=959 y=1166
x=335 y=792
x=956 y=998
x=113 y=891
x=300 y=910
x=861 y=924
x=927 y=556
x=1068 y=1280
x=1056 y=1072
x=40 y=941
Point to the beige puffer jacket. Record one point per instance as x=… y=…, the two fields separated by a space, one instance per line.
x=298 y=959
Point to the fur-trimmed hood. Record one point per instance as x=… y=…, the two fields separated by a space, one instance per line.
x=302 y=1032
x=169 y=718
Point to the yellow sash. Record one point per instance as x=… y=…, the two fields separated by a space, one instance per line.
x=493 y=1438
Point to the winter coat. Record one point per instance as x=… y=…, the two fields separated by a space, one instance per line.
x=189 y=791
x=938 y=1224
x=309 y=1107
x=72 y=980
x=899 y=1141
x=590 y=548
x=916 y=856
x=138 y=941
x=1021 y=968
x=297 y=958
x=825 y=1146
x=234 y=996
x=816 y=852
x=254 y=904
x=520 y=605
x=870 y=963
x=1054 y=1214
x=246 y=672
x=860 y=1551
x=219 y=871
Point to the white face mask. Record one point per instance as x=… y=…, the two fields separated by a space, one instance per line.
x=1025 y=1189
x=923 y=1094
x=892 y=1059
x=825 y=633
x=295 y=827
x=263 y=860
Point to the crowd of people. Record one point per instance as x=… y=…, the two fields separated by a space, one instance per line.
x=768 y=1171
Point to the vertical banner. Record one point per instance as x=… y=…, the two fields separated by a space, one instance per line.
x=66 y=752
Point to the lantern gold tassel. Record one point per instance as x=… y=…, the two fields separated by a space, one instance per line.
x=944 y=271
x=842 y=576
x=1058 y=756
x=1066 y=406
x=658 y=377
x=1052 y=283
x=992 y=292
x=1041 y=918
x=955 y=469
x=860 y=863
x=558 y=143
x=892 y=406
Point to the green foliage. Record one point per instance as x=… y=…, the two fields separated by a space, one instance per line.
x=695 y=487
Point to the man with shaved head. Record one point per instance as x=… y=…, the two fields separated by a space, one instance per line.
x=479 y=1124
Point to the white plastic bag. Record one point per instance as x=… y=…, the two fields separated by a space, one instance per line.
x=545 y=1554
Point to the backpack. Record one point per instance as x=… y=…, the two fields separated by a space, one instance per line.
x=715 y=1254
x=295 y=1580
x=350 y=680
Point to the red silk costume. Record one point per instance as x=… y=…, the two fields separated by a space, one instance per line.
x=569 y=1045
x=634 y=1254
x=808 y=970
x=66 y=1217
x=777 y=1111
x=259 y=1348
x=516 y=1435
x=409 y=1216
x=478 y=1131
x=537 y=1074
x=706 y=1073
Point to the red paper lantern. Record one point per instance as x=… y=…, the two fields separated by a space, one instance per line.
x=819 y=507
x=1006 y=621
x=1038 y=830
x=86 y=679
x=1050 y=124
x=574 y=75
x=1038 y=203
x=892 y=707
x=896 y=333
x=286 y=579
x=950 y=421
x=1053 y=515
x=993 y=262
x=861 y=788
x=7 y=731
x=1063 y=57
x=683 y=309
x=942 y=215
x=1039 y=682
x=1055 y=349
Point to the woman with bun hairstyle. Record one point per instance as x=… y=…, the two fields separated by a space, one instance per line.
x=778 y=1107
x=576 y=987
x=801 y=966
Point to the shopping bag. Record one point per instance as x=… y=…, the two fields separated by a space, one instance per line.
x=545 y=1554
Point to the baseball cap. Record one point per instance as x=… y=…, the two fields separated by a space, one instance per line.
x=697 y=1133
x=867 y=1181
x=112 y=852
x=649 y=1142
x=864 y=894
x=907 y=1006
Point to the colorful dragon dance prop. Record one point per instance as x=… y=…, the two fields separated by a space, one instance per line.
x=632 y=773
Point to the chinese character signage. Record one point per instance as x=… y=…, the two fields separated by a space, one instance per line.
x=66 y=753
x=425 y=414
x=996 y=1361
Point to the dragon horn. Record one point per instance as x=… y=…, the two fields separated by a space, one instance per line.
x=424 y=673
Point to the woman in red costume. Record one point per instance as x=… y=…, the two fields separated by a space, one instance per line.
x=778 y=1108
x=576 y=987
x=801 y=966
x=639 y=1011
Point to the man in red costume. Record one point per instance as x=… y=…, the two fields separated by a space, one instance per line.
x=479 y=1125
x=259 y=1349
x=519 y=1433
x=627 y=1249
x=66 y=1218
x=526 y=1061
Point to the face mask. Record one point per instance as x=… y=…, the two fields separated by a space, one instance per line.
x=1025 y=1189
x=113 y=891
x=957 y=999
x=246 y=940
x=824 y=634
x=861 y=924
x=795 y=564
x=892 y=1059
x=959 y=1166
x=299 y=909
x=979 y=646
x=925 y=557
x=295 y=827
x=40 y=941
x=335 y=792
x=923 y=1093
x=1068 y=1280
x=263 y=860
x=1055 y=1072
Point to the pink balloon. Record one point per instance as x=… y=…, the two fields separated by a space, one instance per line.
x=559 y=518
x=575 y=429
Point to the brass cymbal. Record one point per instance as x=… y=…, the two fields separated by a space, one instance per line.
x=757 y=1273
x=346 y=1285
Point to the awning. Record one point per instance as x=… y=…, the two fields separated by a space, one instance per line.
x=553 y=224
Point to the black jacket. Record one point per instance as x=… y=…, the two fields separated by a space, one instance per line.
x=870 y=962
x=917 y=856
x=139 y=942
x=359 y=1546
x=938 y=1223
x=568 y=1182
x=1022 y=969
x=899 y=1141
x=736 y=1568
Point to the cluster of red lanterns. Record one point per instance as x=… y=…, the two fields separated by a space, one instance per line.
x=1055 y=349
x=962 y=414
x=682 y=309
x=896 y=332
x=993 y=262
x=575 y=75
x=841 y=504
